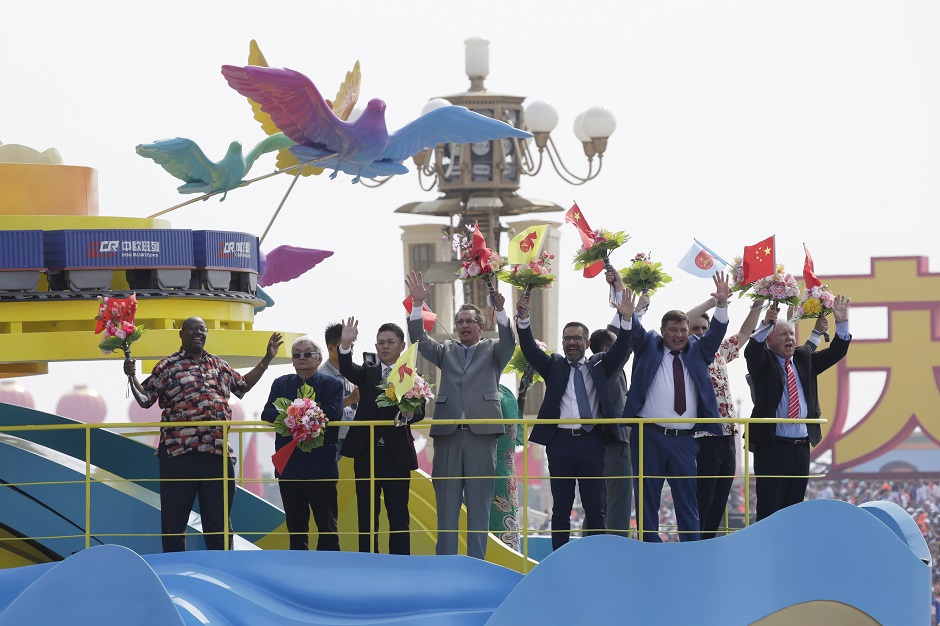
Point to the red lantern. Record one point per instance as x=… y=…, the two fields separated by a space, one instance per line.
x=11 y=392
x=83 y=404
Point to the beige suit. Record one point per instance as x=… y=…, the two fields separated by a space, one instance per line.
x=468 y=390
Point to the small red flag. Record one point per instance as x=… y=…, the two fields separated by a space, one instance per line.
x=576 y=216
x=758 y=261
x=427 y=315
x=809 y=271
x=279 y=459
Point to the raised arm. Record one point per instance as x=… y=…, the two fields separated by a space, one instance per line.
x=352 y=372
x=274 y=344
x=698 y=311
x=530 y=350
x=427 y=346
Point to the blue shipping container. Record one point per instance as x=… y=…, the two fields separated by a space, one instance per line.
x=214 y=249
x=21 y=250
x=118 y=249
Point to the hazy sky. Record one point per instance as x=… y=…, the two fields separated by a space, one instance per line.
x=814 y=121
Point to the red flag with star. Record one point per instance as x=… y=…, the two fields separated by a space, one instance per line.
x=809 y=270
x=576 y=216
x=758 y=261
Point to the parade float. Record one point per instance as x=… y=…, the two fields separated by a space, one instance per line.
x=91 y=542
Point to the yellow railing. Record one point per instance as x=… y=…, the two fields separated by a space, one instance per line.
x=243 y=427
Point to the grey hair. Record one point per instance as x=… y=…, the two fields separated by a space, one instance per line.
x=306 y=340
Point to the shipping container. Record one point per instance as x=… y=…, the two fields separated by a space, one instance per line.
x=152 y=259
x=219 y=250
x=21 y=250
x=118 y=249
x=21 y=259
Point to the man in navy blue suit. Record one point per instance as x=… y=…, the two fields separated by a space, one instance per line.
x=308 y=482
x=670 y=379
x=575 y=388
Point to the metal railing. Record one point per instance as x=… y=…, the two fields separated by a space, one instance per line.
x=247 y=427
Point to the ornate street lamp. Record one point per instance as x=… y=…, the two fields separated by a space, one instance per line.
x=479 y=184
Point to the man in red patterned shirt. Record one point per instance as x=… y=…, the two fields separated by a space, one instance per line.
x=194 y=386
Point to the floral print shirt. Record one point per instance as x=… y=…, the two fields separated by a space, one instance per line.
x=194 y=390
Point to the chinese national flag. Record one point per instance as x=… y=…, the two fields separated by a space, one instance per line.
x=402 y=375
x=576 y=216
x=809 y=271
x=427 y=315
x=758 y=261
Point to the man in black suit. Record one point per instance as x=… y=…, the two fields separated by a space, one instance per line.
x=308 y=482
x=576 y=388
x=784 y=380
x=392 y=446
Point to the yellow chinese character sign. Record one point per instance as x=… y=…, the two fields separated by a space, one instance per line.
x=909 y=356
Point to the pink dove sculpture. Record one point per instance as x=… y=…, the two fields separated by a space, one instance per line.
x=363 y=148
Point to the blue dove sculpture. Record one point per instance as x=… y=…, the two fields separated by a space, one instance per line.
x=363 y=148
x=186 y=161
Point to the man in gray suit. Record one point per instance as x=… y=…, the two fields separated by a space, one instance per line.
x=470 y=370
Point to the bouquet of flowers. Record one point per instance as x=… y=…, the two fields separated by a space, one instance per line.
x=526 y=276
x=815 y=302
x=301 y=419
x=604 y=242
x=410 y=401
x=736 y=269
x=116 y=319
x=476 y=260
x=519 y=365
x=644 y=276
x=780 y=288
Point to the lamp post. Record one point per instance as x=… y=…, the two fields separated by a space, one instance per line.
x=479 y=183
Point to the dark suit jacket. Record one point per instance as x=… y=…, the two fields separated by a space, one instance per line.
x=697 y=356
x=617 y=384
x=319 y=462
x=769 y=381
x=398 y=440
x=555 y=369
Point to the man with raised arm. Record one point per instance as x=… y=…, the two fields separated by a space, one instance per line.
x=194 y=386
x=464 y=455
x=576 y=388
x=670 y=379
x=391 y=450
x=784 y=379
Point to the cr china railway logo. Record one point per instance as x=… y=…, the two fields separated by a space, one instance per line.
x=102 y=249
x=229 y=249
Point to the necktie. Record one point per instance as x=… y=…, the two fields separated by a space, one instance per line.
x=385 y=371
x=792 y=393
x=678 y=383
x=580 y=392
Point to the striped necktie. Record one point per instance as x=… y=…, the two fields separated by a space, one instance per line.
x=792 y=393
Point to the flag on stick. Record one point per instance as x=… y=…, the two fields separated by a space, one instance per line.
x=526 y=246
x=576 y=216
x=402 y=376
x=758 y=261
x=427 y=315
x=809 y=271
x=701 y=261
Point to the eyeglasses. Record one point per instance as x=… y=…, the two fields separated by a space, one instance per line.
x=467 y=322
x=305 y=355
x=578 y=338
